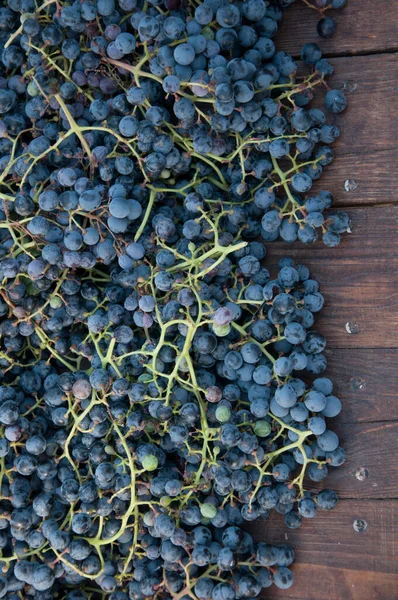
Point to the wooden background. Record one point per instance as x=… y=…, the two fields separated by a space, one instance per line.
x=360 y=282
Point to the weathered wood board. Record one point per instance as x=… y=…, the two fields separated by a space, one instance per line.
x=363 y=27
x=360 y=282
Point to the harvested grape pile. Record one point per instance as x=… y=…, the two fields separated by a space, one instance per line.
x=160 y=387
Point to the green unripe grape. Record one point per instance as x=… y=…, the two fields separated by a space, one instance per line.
x=208 y=33
x=262 y=428
x=223 y=414
x=165 y=501
x=209 y=511
x=32 y=89
x=145 y=378
x=56 y=302
x=150 y=462
x=221 y=330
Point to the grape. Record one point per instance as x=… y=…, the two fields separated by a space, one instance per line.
x=293 y=520
x=283 y=578
x=315 y=401
x=7 y=100
x=326 y=27
x=184 y=54
x=335 y=101
x=204 y=14
x=328 y=441
x=311 y=54
x=327 y=499
x=125 y=43
x=335 y=457
x=307 y=508
x=317 y=425
x=286 y=396
x=70 y=49
x=333 y=407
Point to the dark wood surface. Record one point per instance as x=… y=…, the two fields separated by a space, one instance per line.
x=366 y=379
x=363 y=27
x=367 y=151
x=334 y=562
x=359 y=279
x=360 y=282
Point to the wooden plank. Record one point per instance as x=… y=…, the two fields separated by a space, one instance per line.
x=371 y=468
x=333 y=561
x=369 y=177
x=366 y=152
x=359 y=279
x=366 y=382
x=370 y=84
x=315 y=582
x=363 y=26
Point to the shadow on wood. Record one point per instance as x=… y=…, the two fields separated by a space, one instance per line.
x=334 y=562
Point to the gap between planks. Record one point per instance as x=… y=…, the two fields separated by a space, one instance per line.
x=353 y=54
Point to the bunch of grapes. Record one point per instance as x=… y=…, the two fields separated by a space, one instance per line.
x=159 y=388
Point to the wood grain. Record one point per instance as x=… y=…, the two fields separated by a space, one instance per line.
x=360 y=282
x=333 y=561
x=370 y=84
x=366 y=382
x=367 y=151
x=373 y=174
x=359 y=279
x=363 y=26
x=337 y=584
x=370 y=446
